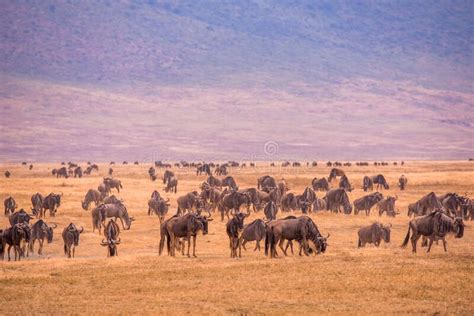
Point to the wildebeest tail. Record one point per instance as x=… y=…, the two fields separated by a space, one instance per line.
x=267 y=240
x=272 y=243
x=407 y=237
x=65 y=249
x=359 y=244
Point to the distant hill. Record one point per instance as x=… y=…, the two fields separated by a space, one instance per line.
x=215 y=79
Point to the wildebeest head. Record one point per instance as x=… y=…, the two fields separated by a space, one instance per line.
x=240 y=218
x=48 y=232
x=322 y=243
x=112 y=246
x=386 y=232
x=75 y=232
x=458 y=227
x=205 y=223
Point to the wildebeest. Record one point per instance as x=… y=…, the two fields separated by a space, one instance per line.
x=402 y=182
x=14 y=236
x=275 y=196
x=288 y=202
x=266 y=183
x=319 y=204
x=214 y=182
x=414 y=209
x=230 y=183
x=51 y=202
x=155 y=195
x=270 y=211
x=467 y=209
x=111 y=233
x=204 y=168
x=41 y=231
x=159 y=207
x=366 y=203
x=78 y=172
x=255 y=231
x=380 y=181
x=345 y=184
x=232 y=201
x=111 y=171
x=10 y=205
x=211 y=198
x=320 y=184
x=387 y=205
x=37 y=203
x=91 y=196
x=367 y=184
x=20 y=216
x=306 y=200
x=7 y=174
x=152 y=173
x=186 y=226
x=112 y=200
x=233 y=228
x=61 y=172
x=172 y=185
x=221 y=170
x=433 y=226
x=373 y=234
x=335 y=172
x=111 y=183
x=71 y=239
x=452 y=203
x=282 y=187
x=117 y=210
x=301 y=229
x=189 y=202
x=336 y=198
x=103 y=190
x=429 y=203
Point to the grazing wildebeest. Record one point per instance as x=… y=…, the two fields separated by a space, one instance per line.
x=98 y=217
x=366 y=203
x=78 y=172
x=117 y=211
x=20 y=216
x=452 y=203
x=10 y=205
x=301 y=229
x=233 y=228
x=71 y=239
x=319 y=204
x=214 y=182
x=270 y=211
x=306 y=200
x=51 y=203
x=7 y=174
x=37 y=203
x=320 y=184
x=14 y=236
x=387 y=205
x=230 y=183
x=61 y=172
x=336 y=198
x=186 y=226
x=367 y=184
x=255 y=231
x=335 y=172
x=266 y=183
x=111 y=183
x=345 y=184
x=91 y=196
x=373 y=234
x=111 y=233
x=288 y=202
x=159 y=207
x=380 y=181
x=433 y=226
x=429 y=203
x=402 y=182
x=41 y=231
x=210 y=197
x=204 y=168
x=189 y=202
x=172 y=185
x=232 y=201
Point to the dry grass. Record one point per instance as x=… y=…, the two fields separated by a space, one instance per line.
x=345 y=279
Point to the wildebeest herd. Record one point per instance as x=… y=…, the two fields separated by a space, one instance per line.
x=434 y=216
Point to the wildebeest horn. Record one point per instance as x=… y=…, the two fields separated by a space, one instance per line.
x=118 y=241
x=82 y=229
x=328 y=236
x=132 y=218
x=396 y=197
x=167 y=200
x=61 y=194
x=104 y=243
x=55 y=225
x=389 y=225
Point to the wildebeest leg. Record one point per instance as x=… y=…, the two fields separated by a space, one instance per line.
x=444 y=244
x=73 y=251
x=430 y=243
x=9 y=247
x=194 y=246
x=121 y=220
x=257 y=245
x=240 y=247
x=414 y=240
x=40 y=250
x=231 y=244
x=280 y=244
x=188 y=239
x=243 y=245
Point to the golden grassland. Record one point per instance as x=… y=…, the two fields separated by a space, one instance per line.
x=343 y=280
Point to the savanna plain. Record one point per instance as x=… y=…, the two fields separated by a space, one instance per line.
x=345 y=279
